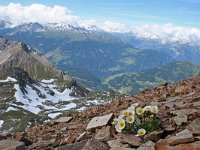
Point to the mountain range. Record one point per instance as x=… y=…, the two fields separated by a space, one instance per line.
x=92 y=54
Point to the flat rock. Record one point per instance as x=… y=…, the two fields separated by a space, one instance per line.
x=62 y=120
x=162 y=145
x=122 y=148
x=97 y=122
x=147 y=146
x=83 y=136
x=11 y=145
x=184 y=136
x=153 y=136
x=180 y=119
x=194 y=126
x=116 y=143
x=130 y=139
x=95 y=145
x=75 y=146
x=103 y=134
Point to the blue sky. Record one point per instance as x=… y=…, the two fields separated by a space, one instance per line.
x=178 y=12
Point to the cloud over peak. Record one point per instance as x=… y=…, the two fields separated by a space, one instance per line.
x=18 y=14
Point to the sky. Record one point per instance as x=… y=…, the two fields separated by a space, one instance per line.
x=179 y=12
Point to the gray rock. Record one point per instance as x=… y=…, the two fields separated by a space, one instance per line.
x=95 y=145
x=147 y=146
x=184 y=136
x=194 y=126
x=103 y=134
x=11 y=145
x=180 y=119
x=99 y=121
x=62 y=120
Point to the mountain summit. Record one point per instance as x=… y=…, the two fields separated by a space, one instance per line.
x=18 y=54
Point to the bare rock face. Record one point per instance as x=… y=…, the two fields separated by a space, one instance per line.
x=11 y=145
x=18 y=54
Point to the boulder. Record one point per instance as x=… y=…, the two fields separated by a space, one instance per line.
x=153 y=136
x=180 y=119
x=103 y=134
x=62 y=120
x=147 y=146
x=75 y=146
x=194 y=126
x=97 y=122
x=11 y=145
x=184 y=136
x=130 y=139
x=93 y=144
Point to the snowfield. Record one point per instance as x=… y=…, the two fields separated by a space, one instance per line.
x=35 y=103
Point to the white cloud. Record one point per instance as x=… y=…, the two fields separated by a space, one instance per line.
x=168 y=33
x=18 y=14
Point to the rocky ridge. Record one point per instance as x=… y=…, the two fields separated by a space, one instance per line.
x=178 y=104
x=18 y=54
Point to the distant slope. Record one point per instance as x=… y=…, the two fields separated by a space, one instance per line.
x=130 y=83
x=18 y=54
x=97 y=53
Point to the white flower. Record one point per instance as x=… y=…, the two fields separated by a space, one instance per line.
x=141 y=132
x=120 y=117
x=147 y=108
x=125 y=112
x=154 y=109
x=117 y=128
x=135 y=104
x=115 y=121
x=130 y=119
x=131 y=111
x=121 y=124
x=139 y=111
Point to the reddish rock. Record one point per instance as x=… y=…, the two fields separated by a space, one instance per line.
x=184 y=136
x=70 y=139
x=103 y=134
x=116 y=143
x=194 y=126
x=147 y=146
x=22 y=138
x=153 y=136
x=130 y=139
x=95 y=145
x=162 y=145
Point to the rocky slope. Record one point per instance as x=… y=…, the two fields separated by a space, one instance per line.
x=18 y=54
x=179 y=114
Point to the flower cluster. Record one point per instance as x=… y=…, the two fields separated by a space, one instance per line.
x=137 y=120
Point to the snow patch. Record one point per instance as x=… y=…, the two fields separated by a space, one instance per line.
x=35 y=103
x=11 y=109
x=9 y=79
x=53 y=115
x=1 y=123
x=48 y=81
